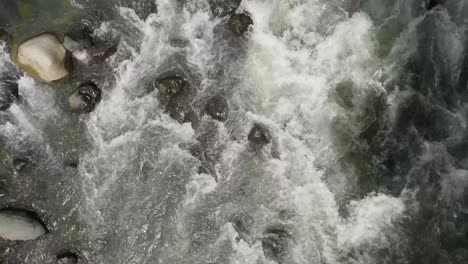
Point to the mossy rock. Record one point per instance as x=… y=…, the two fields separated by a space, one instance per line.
x=240 y=23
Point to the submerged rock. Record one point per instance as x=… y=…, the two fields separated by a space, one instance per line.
x=20 y=225
x=240 y=23
x=3 y=35
x=433 y=3
x=176 y=97
x=20 y=164
x=102 y=53
x=8 y=93
x=259 y=135
x=84 y=99
x=78 y=39
x=170 y=87
x=67 y=258
x=143 y=8
x=223 y=7
x=44 y=57
x=217 y=108
x=72 y=164
x=275 y=243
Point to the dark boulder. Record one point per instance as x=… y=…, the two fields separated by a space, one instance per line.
x=217 y=108
x=8 y=93
x=67 y=258
x=72 y=164
x=176 y=97
x=4 y=36
x=259 y=135
x=20 y=225
x=433 y=3
x=170 y=87
x=240 y=23
x=222 y=8
x=20 y=164
x=275 y=243
x=84 y=99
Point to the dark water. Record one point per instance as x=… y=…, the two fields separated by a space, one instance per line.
x=365 y=103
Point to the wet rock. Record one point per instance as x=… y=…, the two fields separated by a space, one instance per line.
x=84 y=99
x=83 y=46
x=67 y=258
x=72 y=165
x=433 y=3
x=176 y=97
x=143 y=8
x=240 y=23
x=222 y=8
x=78 y=39
x=259 y=135
x=352 y=6
x=275 y=243
x=217 y=108
x=170 y=87
x=8 y=93
x=20 y=225
x=3 y=35
x=20 y=164
x=102 y=53
x=44 y=57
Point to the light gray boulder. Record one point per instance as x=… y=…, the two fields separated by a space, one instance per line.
x=44 y=57
x=20 y=225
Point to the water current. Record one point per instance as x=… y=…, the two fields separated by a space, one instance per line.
x=365 y=102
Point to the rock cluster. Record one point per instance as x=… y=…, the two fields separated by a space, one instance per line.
x=48 y=58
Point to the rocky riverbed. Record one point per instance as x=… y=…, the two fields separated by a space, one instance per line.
x=233 y=131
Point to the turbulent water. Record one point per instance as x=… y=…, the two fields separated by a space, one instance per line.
x=366 y=102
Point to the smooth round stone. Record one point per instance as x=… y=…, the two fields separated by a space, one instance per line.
x=44 y=57
x=217 y=108
x=259 y=135
x=20 y=225
x=84 y=99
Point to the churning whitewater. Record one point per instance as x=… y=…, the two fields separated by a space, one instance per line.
x=233 y=131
